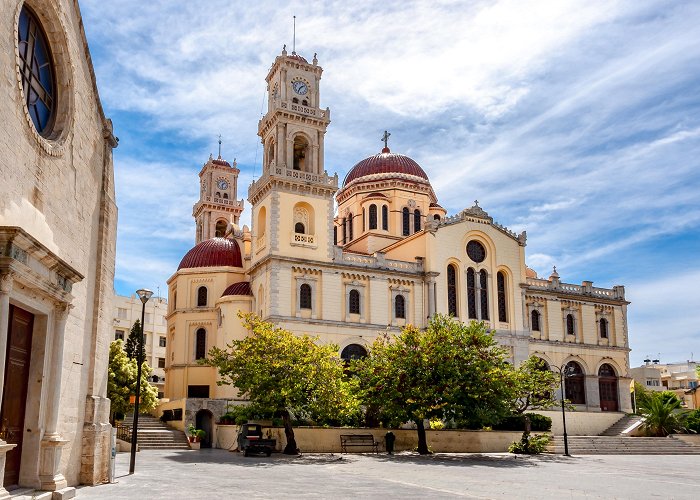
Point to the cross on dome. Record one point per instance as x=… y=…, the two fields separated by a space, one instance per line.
x=385 y=138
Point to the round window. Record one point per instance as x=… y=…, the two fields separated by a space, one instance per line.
x=36 y=71
x=476 y=251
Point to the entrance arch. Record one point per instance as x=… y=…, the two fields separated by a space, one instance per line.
x=203 y=420
x=607 y=388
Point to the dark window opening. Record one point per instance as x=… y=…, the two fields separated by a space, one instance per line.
x=436 y=217
x=372 y=217
x=400 y=307
x=501 y=282
x=476 y=251
x=353 y=351
x=202 y=296
x=201 y=344
x=305 y=296
x=471 y=293
x=416 y=221
x=299 y=228
x=196 y=391
x=452 y=290
x=385 y=218
x=483 y=277
x=535 y=321
x=574 y=384
x=570 y=324
x=354 y=302
x=603 y=328
x=406 y=222
x=350 y=236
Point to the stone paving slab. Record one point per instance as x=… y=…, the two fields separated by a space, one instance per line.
x=207 y=474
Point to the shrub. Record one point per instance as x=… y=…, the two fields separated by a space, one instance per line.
x=436 y=424
x=538 y=423
x=692 y=422
x=530 y=445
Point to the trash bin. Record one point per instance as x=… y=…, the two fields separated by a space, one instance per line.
x=389 y=439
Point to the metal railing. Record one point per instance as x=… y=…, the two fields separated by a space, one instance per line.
x=124 y=433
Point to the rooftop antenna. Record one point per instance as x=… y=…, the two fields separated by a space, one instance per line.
x=294 y=37
x=219 y=146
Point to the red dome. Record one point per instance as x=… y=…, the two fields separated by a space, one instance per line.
x=297 y=57
x=240 y=288
x=221 y=162
x=215 y=252
x=385 y=162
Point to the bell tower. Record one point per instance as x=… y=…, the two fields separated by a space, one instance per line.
x=217 y=205
x=293 y=198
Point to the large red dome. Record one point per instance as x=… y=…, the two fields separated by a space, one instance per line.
x=215 y=252
x=388 y=163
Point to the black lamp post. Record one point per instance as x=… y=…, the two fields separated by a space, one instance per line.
x=563 y=373
x=144 y=294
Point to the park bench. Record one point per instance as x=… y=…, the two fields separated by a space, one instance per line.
x=353 y=440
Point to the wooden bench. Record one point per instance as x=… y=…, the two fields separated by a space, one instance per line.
x=353 y=440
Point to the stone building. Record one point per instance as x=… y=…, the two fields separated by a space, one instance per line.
x=345 y=261
x=127 y=310
x=57 y=246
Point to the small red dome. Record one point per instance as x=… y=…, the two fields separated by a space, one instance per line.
x=215 y=252
x=297 y=57
x=385 y=162
x=221 y=162
x=240 y=288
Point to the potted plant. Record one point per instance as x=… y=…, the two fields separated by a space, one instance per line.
x=195 y=436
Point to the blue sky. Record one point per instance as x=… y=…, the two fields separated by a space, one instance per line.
x=578 y=121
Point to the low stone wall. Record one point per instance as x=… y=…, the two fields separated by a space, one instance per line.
x=693 y=439
x=327 y=440
x=582 y=423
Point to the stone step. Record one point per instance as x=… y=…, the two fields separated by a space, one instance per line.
x=623 y=445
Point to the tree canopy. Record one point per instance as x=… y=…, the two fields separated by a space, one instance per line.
x=121 y=381
x=133 y=343
x=286 y=374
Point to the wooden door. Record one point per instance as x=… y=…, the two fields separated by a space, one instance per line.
x=14 y=398
x=607 y=387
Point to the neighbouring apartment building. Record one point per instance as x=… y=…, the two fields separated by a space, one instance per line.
x=680 y=377
x=57 y=248
x=127 y=310
x=347 y=261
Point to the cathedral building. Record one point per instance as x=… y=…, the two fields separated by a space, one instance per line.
x=347 y=261
x=57 y=248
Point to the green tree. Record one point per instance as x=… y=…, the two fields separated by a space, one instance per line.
x=534 y=385
x=288 y=375
x=451 y=370
x=121 y=381
x=662 y=415
x=133 y=343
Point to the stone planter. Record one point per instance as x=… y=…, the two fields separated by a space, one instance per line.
x=194 y=442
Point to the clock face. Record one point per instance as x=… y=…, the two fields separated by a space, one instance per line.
x=222 y=184
x=300 y=87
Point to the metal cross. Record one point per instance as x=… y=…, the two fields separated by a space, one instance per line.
x=385 y=138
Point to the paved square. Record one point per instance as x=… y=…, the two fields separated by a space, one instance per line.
x=223 y=474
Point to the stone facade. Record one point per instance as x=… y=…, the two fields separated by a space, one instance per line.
x=57 y=249
x=347 y=262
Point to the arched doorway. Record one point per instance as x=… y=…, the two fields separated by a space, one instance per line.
x=203 y=420
x=607 y=388
x=575 y=383
x=353 y=351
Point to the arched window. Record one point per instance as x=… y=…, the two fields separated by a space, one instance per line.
x=452 y=290
x=335 y=235
x=436 y=217
x=301 y=146
x=217 y=194
x=372 y=217
x=354 y=302
x=574 y=383
x=344 y=228
x=364 y=221
x=200 y=350
x=220 y=230
x=606 y=370
x=400 y=307
x=304 y=102
x=262 y=221
x=501 y=283
x=305 y=296
x=471 y=293
x=406 y=221
x=350 y=223
x=299 y=228
x=202 y=296
x=353 y=351
x=483 y=285
x=385 y=217
x=570 y=330
x=271 y=152
x=603 y=328
x=295 y=101
x=37 y=72
x=535 y=320
x=416 y=220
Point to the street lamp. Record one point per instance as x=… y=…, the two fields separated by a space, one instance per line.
x=564 y=371
x=144 y=294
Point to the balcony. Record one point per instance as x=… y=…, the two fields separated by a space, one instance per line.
x=303 y=240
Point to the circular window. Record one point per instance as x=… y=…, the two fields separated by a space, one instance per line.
x=476 y=251
x=36 y=72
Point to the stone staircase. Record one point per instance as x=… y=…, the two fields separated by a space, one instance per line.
x=618 y=428
x=622 y=445
x=155 y=435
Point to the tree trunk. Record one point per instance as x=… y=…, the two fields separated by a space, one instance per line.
x=422 y=442
x=291 y=447
x=526 y=433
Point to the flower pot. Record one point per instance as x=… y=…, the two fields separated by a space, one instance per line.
x=195 y=445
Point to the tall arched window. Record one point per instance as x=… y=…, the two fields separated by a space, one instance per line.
x=416 y=220
x=305 y=296
x=335 y=235
x=299 y=228
x=385 y=217
x=350 y=223
x=574 y=383
x=200 y=349
x=501 y=283
x=400 y=307
x=372 y=217
x=406 y=221
x=354 y=302
x=436 y=217
x=345 y=229
x=364 y=221
x=471 y=293
x=535 y=320
x=452 y=290
x=220 y=228
x=483 y=285
x=202 y=296
x=603 y=328
x=570 y=327
x=301 y=146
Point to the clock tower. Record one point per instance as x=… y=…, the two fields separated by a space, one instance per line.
x=217 y=205
x=292 y=200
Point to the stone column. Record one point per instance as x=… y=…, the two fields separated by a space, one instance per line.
x=431 y=297
x=6 y=280
x=49 y=466
x=592 y=393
